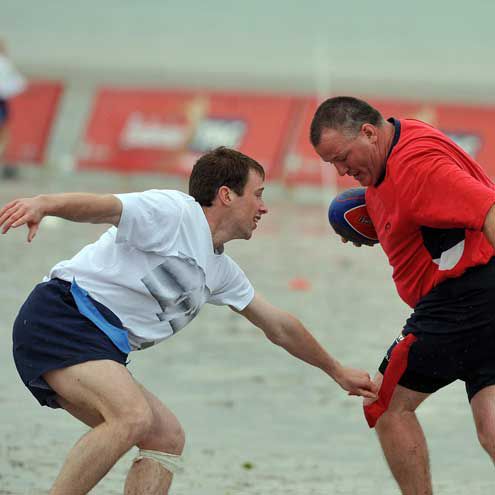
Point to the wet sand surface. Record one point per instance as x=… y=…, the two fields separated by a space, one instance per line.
x=257 y=420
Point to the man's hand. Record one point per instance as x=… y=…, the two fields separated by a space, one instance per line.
x=356 y=382
x=24 y=211
x=288 y=332
x=345 y=241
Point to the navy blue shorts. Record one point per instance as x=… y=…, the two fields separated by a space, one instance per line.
x=455 y=329
x=50 y=333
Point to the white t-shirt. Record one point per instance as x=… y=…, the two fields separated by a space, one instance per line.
x=157 y=269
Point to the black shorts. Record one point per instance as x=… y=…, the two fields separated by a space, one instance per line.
x=455 y=329
x=50 y=333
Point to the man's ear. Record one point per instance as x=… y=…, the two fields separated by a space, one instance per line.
x=370 y=131
x=225 y=195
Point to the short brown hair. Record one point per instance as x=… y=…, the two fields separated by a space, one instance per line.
x=221 y=167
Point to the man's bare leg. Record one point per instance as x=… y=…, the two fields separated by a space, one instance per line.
x=403 y=442
x=108 y=388
x=483 y=407
x=146 y=476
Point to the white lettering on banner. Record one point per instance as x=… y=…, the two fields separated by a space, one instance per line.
x=93 y=152
x=213 y=132
x=150 y=132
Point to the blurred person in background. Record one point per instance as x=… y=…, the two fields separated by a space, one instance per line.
x=433 y=208
x=12 y=83
x=145 y=279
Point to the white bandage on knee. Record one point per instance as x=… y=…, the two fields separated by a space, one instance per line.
x=171 y=462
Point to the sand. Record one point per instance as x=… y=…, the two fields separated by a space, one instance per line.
x=257 y=420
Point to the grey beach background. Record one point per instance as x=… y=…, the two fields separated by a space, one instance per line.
x=257 y=420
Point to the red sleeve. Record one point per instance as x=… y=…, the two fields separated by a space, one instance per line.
x=440 y=194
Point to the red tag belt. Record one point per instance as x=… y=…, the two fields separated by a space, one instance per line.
x=395 y=369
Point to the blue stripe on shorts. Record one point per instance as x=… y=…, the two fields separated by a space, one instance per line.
x=117 y=335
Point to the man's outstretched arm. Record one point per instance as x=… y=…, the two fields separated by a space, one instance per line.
x=288 y=332
x=77 y=207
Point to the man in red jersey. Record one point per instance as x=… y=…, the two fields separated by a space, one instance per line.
x=433 y=209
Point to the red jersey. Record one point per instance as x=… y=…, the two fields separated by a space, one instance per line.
x=429 y=210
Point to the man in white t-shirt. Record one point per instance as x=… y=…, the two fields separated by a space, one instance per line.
x=145 y=278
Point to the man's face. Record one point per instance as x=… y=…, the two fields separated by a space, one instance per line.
x=248 y=209
x=357 y=156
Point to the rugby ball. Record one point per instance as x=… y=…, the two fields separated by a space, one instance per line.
x=349 y=217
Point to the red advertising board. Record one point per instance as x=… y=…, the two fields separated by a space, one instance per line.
x=142 y=130
x=32 y=114
x=471 y=126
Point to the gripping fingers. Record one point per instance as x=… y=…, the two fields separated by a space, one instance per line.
x=345 y=241
x=363 y=392
x=367 y=393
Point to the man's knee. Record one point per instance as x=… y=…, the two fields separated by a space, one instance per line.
x=482 y=405
x=136 y=421
x=166 y=435
x=178 y=439
x=402 y=406
x=393 y=417
x=486 y=437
